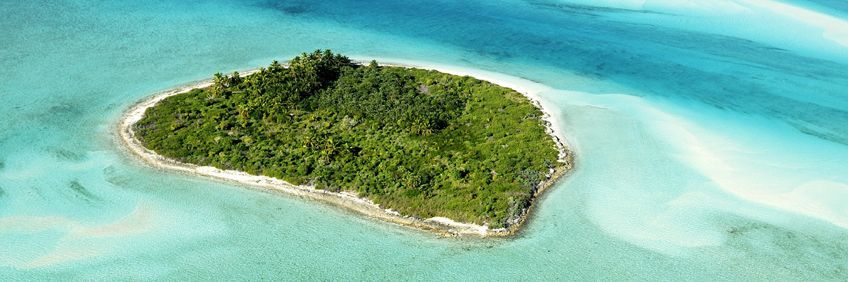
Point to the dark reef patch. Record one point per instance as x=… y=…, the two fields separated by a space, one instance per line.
x=808 y=250
x=68 y=155
x=82 y=192
x=585 y=9
x=112 y=175
x=61 y=113
x=287 y=7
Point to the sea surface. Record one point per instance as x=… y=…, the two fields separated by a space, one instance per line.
x=711 y=140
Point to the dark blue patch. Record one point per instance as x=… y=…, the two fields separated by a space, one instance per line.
x=724 y=72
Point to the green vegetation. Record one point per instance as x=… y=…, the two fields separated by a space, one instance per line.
x=421 y=142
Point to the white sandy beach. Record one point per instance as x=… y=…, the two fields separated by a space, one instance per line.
x=348 y=200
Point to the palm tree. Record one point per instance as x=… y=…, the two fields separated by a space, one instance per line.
x=219 y=83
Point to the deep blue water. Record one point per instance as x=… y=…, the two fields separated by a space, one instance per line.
x=711 y=140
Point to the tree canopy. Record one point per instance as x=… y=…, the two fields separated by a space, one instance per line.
x=421 y=142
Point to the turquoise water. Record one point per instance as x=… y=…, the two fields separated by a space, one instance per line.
x=712 y=140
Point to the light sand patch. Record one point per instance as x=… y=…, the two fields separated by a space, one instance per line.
x=834 y=29
x=139 y=221
x=74 y=245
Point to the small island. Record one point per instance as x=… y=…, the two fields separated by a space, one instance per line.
x=422 y=148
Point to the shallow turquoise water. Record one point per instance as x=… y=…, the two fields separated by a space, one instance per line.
x=712 y=140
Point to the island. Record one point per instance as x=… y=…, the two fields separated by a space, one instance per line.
x=422 y=148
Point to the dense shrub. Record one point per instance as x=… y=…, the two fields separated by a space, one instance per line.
x=421 y=142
